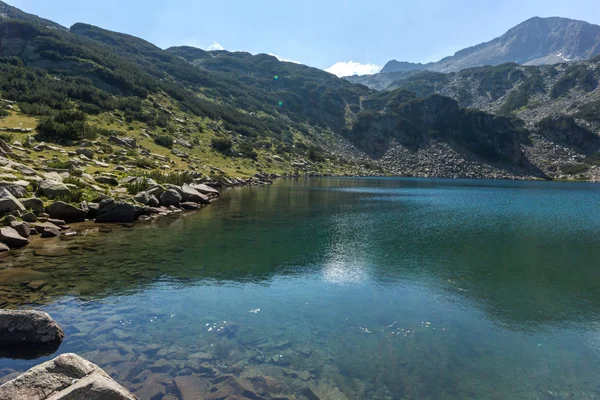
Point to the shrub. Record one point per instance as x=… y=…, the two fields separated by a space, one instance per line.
x=145 y=163
x=66 y=126
x=246 y=149
x=315 y=154
x=7 y=137
x=60 y=164
x=164 y=141
x=174 y=178
x=221 y=144
x=573 y=169
x=138 y=186
x=4 y=113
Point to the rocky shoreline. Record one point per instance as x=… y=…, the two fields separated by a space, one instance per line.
x=27 y=217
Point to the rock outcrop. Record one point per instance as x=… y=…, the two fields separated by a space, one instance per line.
x=67 y=377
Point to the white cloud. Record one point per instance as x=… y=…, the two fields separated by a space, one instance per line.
x=215 y=46
x=283 y=59
x=353 y=68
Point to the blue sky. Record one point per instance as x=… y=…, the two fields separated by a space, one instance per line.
x=358 y=36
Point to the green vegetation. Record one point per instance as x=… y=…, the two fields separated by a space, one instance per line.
x=65 y=127
x=7 y=137
x=495 y=80
x=164 y=141
x=221 y=144
x=576 y=75
x=519 y=97
x=590 y=111
x=246 y=149
x=574 y=169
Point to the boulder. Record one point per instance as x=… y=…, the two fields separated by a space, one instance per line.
x=125 y=141
x=33 y=327
x=9 y=203
x=34 y=204
x=86 y=152
x=191 y=194
x=29 y=217
x=66 y=377
x=116 y=211
x=189 y=206
x=12 y=239
x=204 y=189
x=92 y=210
x=53 y=189
x=50 y=232
x=67 y=212
x=22 y=228
x=4 y=249
x=17 y=190
x=170 y=197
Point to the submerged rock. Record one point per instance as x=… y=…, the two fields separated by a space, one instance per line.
x=66 y=377
x=20 y=327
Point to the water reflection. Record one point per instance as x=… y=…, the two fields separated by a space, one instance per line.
x=400 y=288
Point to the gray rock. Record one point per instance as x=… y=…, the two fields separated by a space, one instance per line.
x=107 y=180
x=29 y=217
x=34 y=204
x=116 y=211
x=12 y=239
x=9 y=203
x=67 y=377
x=125 y=142
x=4 y=248
x=142 y=197
x=53 y=189
x=17 y=190
x=20 y=327
x=170 y=197
x=189 y=206
x=50 y=232
x=144 y=218
x=191 y=194
x=22 y=228
x=205 y=189
x=67 y=212
x=86 y=152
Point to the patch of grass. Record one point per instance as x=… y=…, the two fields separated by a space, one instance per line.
x=60 y=164
x=174 y=178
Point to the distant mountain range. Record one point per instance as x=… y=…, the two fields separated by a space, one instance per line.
x=537 y=41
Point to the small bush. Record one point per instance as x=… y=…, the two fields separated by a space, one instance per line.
x=247 y=150
x=315 y=154
x=164 y=141
x=174 y=178
x=145 y=163
x=60 y=164
x=574 y=169
x=221 y=144
x=4 y=113
x=7 y=137
x=138 y=186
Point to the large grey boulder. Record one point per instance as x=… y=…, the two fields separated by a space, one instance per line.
x=28 y=327
x=53 y=189
x=34 y=204
x=22 y=228
x=12 y=239
x=205 y=189
x=116 y=211
x=67 y=377
x=19 y=191
x=67 y=212
x=191 y=194
x=170 y=197
x=9 y=203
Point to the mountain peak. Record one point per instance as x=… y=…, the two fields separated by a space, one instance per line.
x=535 y=41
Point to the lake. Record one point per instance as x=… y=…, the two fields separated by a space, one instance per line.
x=374 y=288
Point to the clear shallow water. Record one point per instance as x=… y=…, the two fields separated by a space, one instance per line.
x=360 y=288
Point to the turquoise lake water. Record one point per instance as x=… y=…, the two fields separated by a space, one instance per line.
x=358 y=288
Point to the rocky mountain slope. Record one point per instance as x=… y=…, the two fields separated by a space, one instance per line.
x=537 y=41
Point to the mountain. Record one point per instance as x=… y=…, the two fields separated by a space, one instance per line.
x=90 y=91
x=536 y=41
